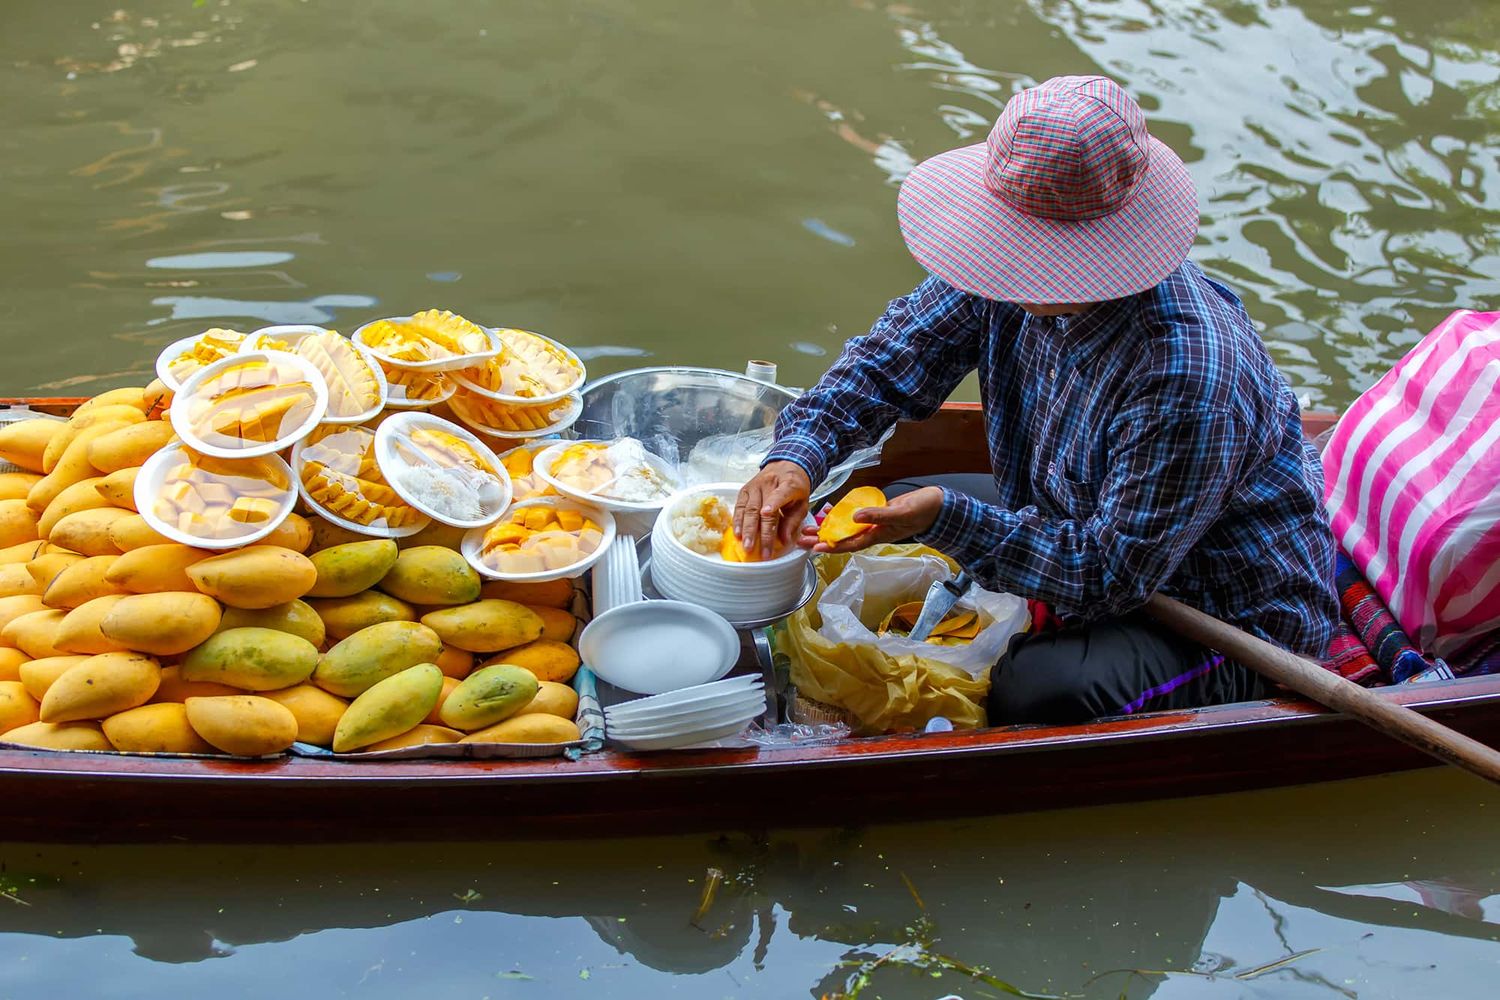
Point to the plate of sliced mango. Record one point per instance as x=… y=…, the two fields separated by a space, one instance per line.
x=512 y=420
x=442 y=469
x=250 y=404
x=182 y=359
x=433 y=340
x=547 y=538
x=211 y=502
x=529 y=369
x=339 y=478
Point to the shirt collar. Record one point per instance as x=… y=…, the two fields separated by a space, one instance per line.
x=1082 y=336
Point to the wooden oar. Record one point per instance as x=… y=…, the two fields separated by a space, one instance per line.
x=1327 y=688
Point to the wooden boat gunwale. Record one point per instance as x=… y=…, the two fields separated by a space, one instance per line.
x=1218 y=748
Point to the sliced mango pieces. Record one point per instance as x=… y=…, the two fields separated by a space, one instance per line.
x=840 y=525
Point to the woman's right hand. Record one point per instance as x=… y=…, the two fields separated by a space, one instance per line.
x=771 y=508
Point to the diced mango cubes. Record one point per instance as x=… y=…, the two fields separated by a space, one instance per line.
x=216 y=498
x=540 y=539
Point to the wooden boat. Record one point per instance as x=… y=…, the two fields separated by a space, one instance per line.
x=52 y=795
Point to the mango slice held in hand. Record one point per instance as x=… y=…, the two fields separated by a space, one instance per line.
x=840 y=525
x=730 y=549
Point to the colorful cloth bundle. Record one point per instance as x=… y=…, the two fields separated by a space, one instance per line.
x=1371 y=622
x=1348 y=657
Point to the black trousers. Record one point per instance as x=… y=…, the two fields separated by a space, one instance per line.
x=1108 y=667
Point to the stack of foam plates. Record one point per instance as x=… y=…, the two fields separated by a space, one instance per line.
x=740 y=592
x=688 y=716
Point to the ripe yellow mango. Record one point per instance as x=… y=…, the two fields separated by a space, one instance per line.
x=487 y=696
x=82 y=419
x=82 y=495
x=16 y=485
x=255 y=577
x=35 y=634
x=87 y=531
x=129 y=395
x=436 y=533
x=346 y=570
x=61 y=736
x=252 y=659
x=840 y=525
x=17 y=706
x=326 y=534
x=317 y=712
x=71 y=468
x=174 y=688
x=44 y=568
x=100 y=686
x=344 y=616
x=128 y=446
x=557 y=624
x=152 y=569
x=372 y=654
x=431 y=574
x=79 y=631
x=40 y=674
x=10 y=663
x=81 y=581
x=553 y=698
x=485 y=626
x=417 y=736
x=165 y=624
x=21 y=552
x=16 y=580
x=389 y=707
x=18 y=523
x=537 y=728
x=133 y=532
x=548 y=660
x=449 y=685
x=118 y=488
x=160 y=727
x=550 y=594
x=294 y=533
x=243 y=724
x=12 y=608
x=296 y=617
x=454 y=662
x=25 y=441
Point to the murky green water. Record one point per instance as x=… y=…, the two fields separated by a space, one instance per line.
x=704 y=182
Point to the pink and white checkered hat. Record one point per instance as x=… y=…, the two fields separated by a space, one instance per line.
x=1070 y=200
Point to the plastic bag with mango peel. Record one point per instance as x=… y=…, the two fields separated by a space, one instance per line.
x=890 y=683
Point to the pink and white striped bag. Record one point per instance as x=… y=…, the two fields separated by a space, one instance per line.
x=1413 y=485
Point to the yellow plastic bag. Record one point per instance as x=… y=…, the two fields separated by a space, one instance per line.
x=890 y=683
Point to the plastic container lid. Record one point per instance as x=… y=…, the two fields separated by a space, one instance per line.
x=250 y=404
x=512 y=421
x=181 y=359
x=519 y=461
x=653 y=647
x=339 y=478
x=433 y=340
x=406 y=389
x=529 y=369
x=210 y=502
x=442 y=470
x=552 y=538
x=581 y=489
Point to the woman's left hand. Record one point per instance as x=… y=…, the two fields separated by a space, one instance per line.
x=907 y=515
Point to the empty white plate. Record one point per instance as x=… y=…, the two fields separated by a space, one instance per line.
x=653 y=647
x=699 y=695
x=657 y=726
x=681 y=739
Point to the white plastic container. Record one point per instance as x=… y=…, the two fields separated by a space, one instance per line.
x=269 y=338
x=566 y=411
x=473 y=543
x=205 y=383
x=448 y=364
x=173 y=350
x=490 y=481
x=152 y=478
x=375 y=529
x=542 y=466
x=466 y=380
x=651 y=647
x=395 y=391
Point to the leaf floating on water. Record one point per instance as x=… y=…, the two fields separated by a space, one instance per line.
x=240 y=67
x=515 y=974
x=711 y=880
x=1261 y=970
x=468 y=896
x=583 y=973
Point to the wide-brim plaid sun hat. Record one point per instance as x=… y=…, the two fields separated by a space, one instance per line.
x=1070 y=200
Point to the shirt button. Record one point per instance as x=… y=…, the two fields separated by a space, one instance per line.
x=1051 y=374
x=1051 y=468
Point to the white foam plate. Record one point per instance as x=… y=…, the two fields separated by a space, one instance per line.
x=372 y=530
x=653 y=647
x=148 y=485
x=441 y=364
x=400 y=426
x=501 y=397
x=182 y=404
x=542 y=466
x=570 y=414
x=395 y=402
x=685 y=697
x=474 y=541
x=169 y=354
x=288 y=333
x=687 y=739
x=751 y=704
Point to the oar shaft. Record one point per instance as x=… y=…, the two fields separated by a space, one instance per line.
x=1328 y=688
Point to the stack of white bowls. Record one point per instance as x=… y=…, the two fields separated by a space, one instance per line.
x=741 y=592
x=688 y=716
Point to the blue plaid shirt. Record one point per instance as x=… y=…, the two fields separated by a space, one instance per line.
x=1148 y=444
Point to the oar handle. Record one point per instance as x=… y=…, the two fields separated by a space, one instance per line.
x=1328 y=688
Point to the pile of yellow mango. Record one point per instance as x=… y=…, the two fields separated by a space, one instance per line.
x=114 y=637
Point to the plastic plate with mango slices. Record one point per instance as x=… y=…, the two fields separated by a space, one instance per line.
x=182 y=359
x=339 y=478
x=432 y=340
x=519 y=462
x=511 y=420
x=546 y=538
x=442 y=469
x=250 y=404
x=529 y=369
x=211 y=502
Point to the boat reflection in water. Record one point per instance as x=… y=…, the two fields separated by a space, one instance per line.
x=1045 y=901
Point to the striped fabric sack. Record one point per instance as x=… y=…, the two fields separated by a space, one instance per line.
x=1413 y=485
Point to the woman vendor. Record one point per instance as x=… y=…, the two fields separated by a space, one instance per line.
x=1140 y=436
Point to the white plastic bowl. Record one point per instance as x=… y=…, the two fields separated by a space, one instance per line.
x=154 y=472
x=439 y=365
x=746 y=706
x=473 y=541
x=542 y=466
x=652 y=647
x=182 y=405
